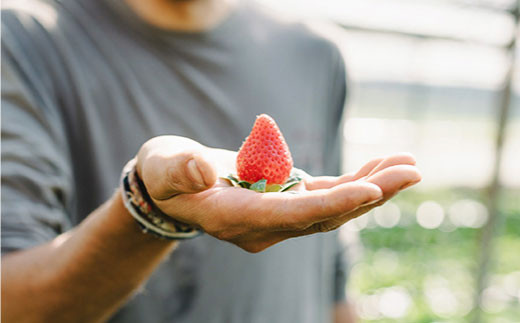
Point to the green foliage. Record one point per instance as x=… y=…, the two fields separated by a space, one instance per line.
x=424 y=262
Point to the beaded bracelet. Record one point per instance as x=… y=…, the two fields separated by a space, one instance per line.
x=149 y=217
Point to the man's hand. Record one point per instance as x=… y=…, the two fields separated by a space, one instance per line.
x=181 y=176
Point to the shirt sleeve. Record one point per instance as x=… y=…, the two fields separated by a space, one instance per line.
x=36 y=172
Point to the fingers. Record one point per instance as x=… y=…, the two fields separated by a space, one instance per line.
x=397 y=159
x=395 y=178
x=390 y=180
x=169 y=167
x=305 y=208
x=370 y=168
x=259 y=241
x=323 y=182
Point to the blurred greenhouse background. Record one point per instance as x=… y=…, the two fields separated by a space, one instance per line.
x=436 y=78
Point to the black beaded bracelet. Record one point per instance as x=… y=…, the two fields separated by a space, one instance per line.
x=149 y=217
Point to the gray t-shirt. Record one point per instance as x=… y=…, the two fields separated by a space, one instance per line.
x=85 y=83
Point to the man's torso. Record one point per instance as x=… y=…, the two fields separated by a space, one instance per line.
x=117 y=82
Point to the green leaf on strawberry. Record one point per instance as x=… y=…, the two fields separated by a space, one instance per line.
x=273 y=188
x=244 y=184
x=261 y=186
x=293 y=180
x=232 y=178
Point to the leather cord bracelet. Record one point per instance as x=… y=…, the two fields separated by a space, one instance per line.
x=149 y=217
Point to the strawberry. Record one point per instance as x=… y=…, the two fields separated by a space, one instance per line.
x=264 y=154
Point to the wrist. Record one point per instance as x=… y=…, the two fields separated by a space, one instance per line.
x=148 y=216
x=125 y=225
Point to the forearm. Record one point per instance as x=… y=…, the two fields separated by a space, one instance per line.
x=83 y=275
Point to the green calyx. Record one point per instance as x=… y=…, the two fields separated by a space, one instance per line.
x=261 y=186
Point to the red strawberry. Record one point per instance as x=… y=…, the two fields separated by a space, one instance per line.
x=264 y=154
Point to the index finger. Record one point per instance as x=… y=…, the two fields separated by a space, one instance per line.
x=323 y=182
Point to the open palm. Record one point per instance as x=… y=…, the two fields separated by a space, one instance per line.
x=255 y=221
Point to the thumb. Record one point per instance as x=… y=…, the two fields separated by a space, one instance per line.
x=169 y=168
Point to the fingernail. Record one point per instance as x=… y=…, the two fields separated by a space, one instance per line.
x=195 y=174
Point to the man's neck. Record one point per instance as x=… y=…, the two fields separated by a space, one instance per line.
x=183 y=15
